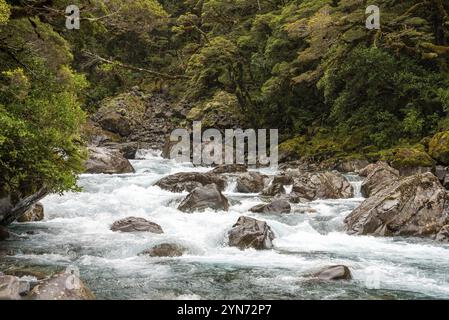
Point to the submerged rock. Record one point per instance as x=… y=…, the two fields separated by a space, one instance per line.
x=103 y=160
x=378 y=177
x=276 y=206
x=334 y=273
x=202 y=198
x=187 y=181
x=36 y=213
x=165 y=250
x=63 y=286
x=413 y=206
x=133 y=224
x=251 y=233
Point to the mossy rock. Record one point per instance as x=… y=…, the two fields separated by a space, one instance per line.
x=411 y=157
x=439 y=147
x=221 y=112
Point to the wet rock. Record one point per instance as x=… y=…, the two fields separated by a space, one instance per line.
x=413 y=206
x=411 y=171
x=334 y=273
x=103 y=160
x=277 y=186
x=165 y=250
x=12 y=206
x=251 y=182
x=230 y=168
x=36 y=213
x=351 y=165
x=188 y=181
x=277 y=206
x=63 y=286
x=251 y=233
x=310 y=186
x=378 y=177
x=4 y=233
x=443 y=235
x=202 y=198
x=133 y=224
x=9 y=288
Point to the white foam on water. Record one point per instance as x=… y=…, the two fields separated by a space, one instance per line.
x=76 y=230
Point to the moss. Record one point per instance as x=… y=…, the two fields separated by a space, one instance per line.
x=411 y=157
x=439 y=147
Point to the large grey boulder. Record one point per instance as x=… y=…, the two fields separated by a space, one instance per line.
x=251 y=182
x=133 y=224
x=277 y=206
x=310 y=186
x=187 y=181
x=202 y=198
x=251 y=233
x=413 y=206
x=108 y=161
x=63 y=286
x=378 y=177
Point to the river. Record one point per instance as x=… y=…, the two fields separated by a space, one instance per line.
x=76 y=233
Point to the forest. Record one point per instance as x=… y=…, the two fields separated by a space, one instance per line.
x=92 y=205
x=309 y=68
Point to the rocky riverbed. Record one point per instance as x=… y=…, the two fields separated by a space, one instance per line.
x=175 y=231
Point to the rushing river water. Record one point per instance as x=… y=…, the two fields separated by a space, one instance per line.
x=76 y=232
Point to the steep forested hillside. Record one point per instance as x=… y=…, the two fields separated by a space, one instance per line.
x=307 y=67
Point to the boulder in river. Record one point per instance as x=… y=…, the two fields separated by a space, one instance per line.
x=35 y=213
x=414 y=206
x=251 y=233
x=334 y=273
x=108 y=161
x=348 y=166
x=276 y=206
x=251 y=182
x=310 y=186
x=63 y=286
x=165 y=250
x=205 y=197
x=187 y=181
x=9 y=287
x=133 y=224
x=378 y=177
x=230 y=168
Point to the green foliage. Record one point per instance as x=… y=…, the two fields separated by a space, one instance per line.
x=4 y=12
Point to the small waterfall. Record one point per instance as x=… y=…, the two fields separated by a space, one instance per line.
x=356 y=182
